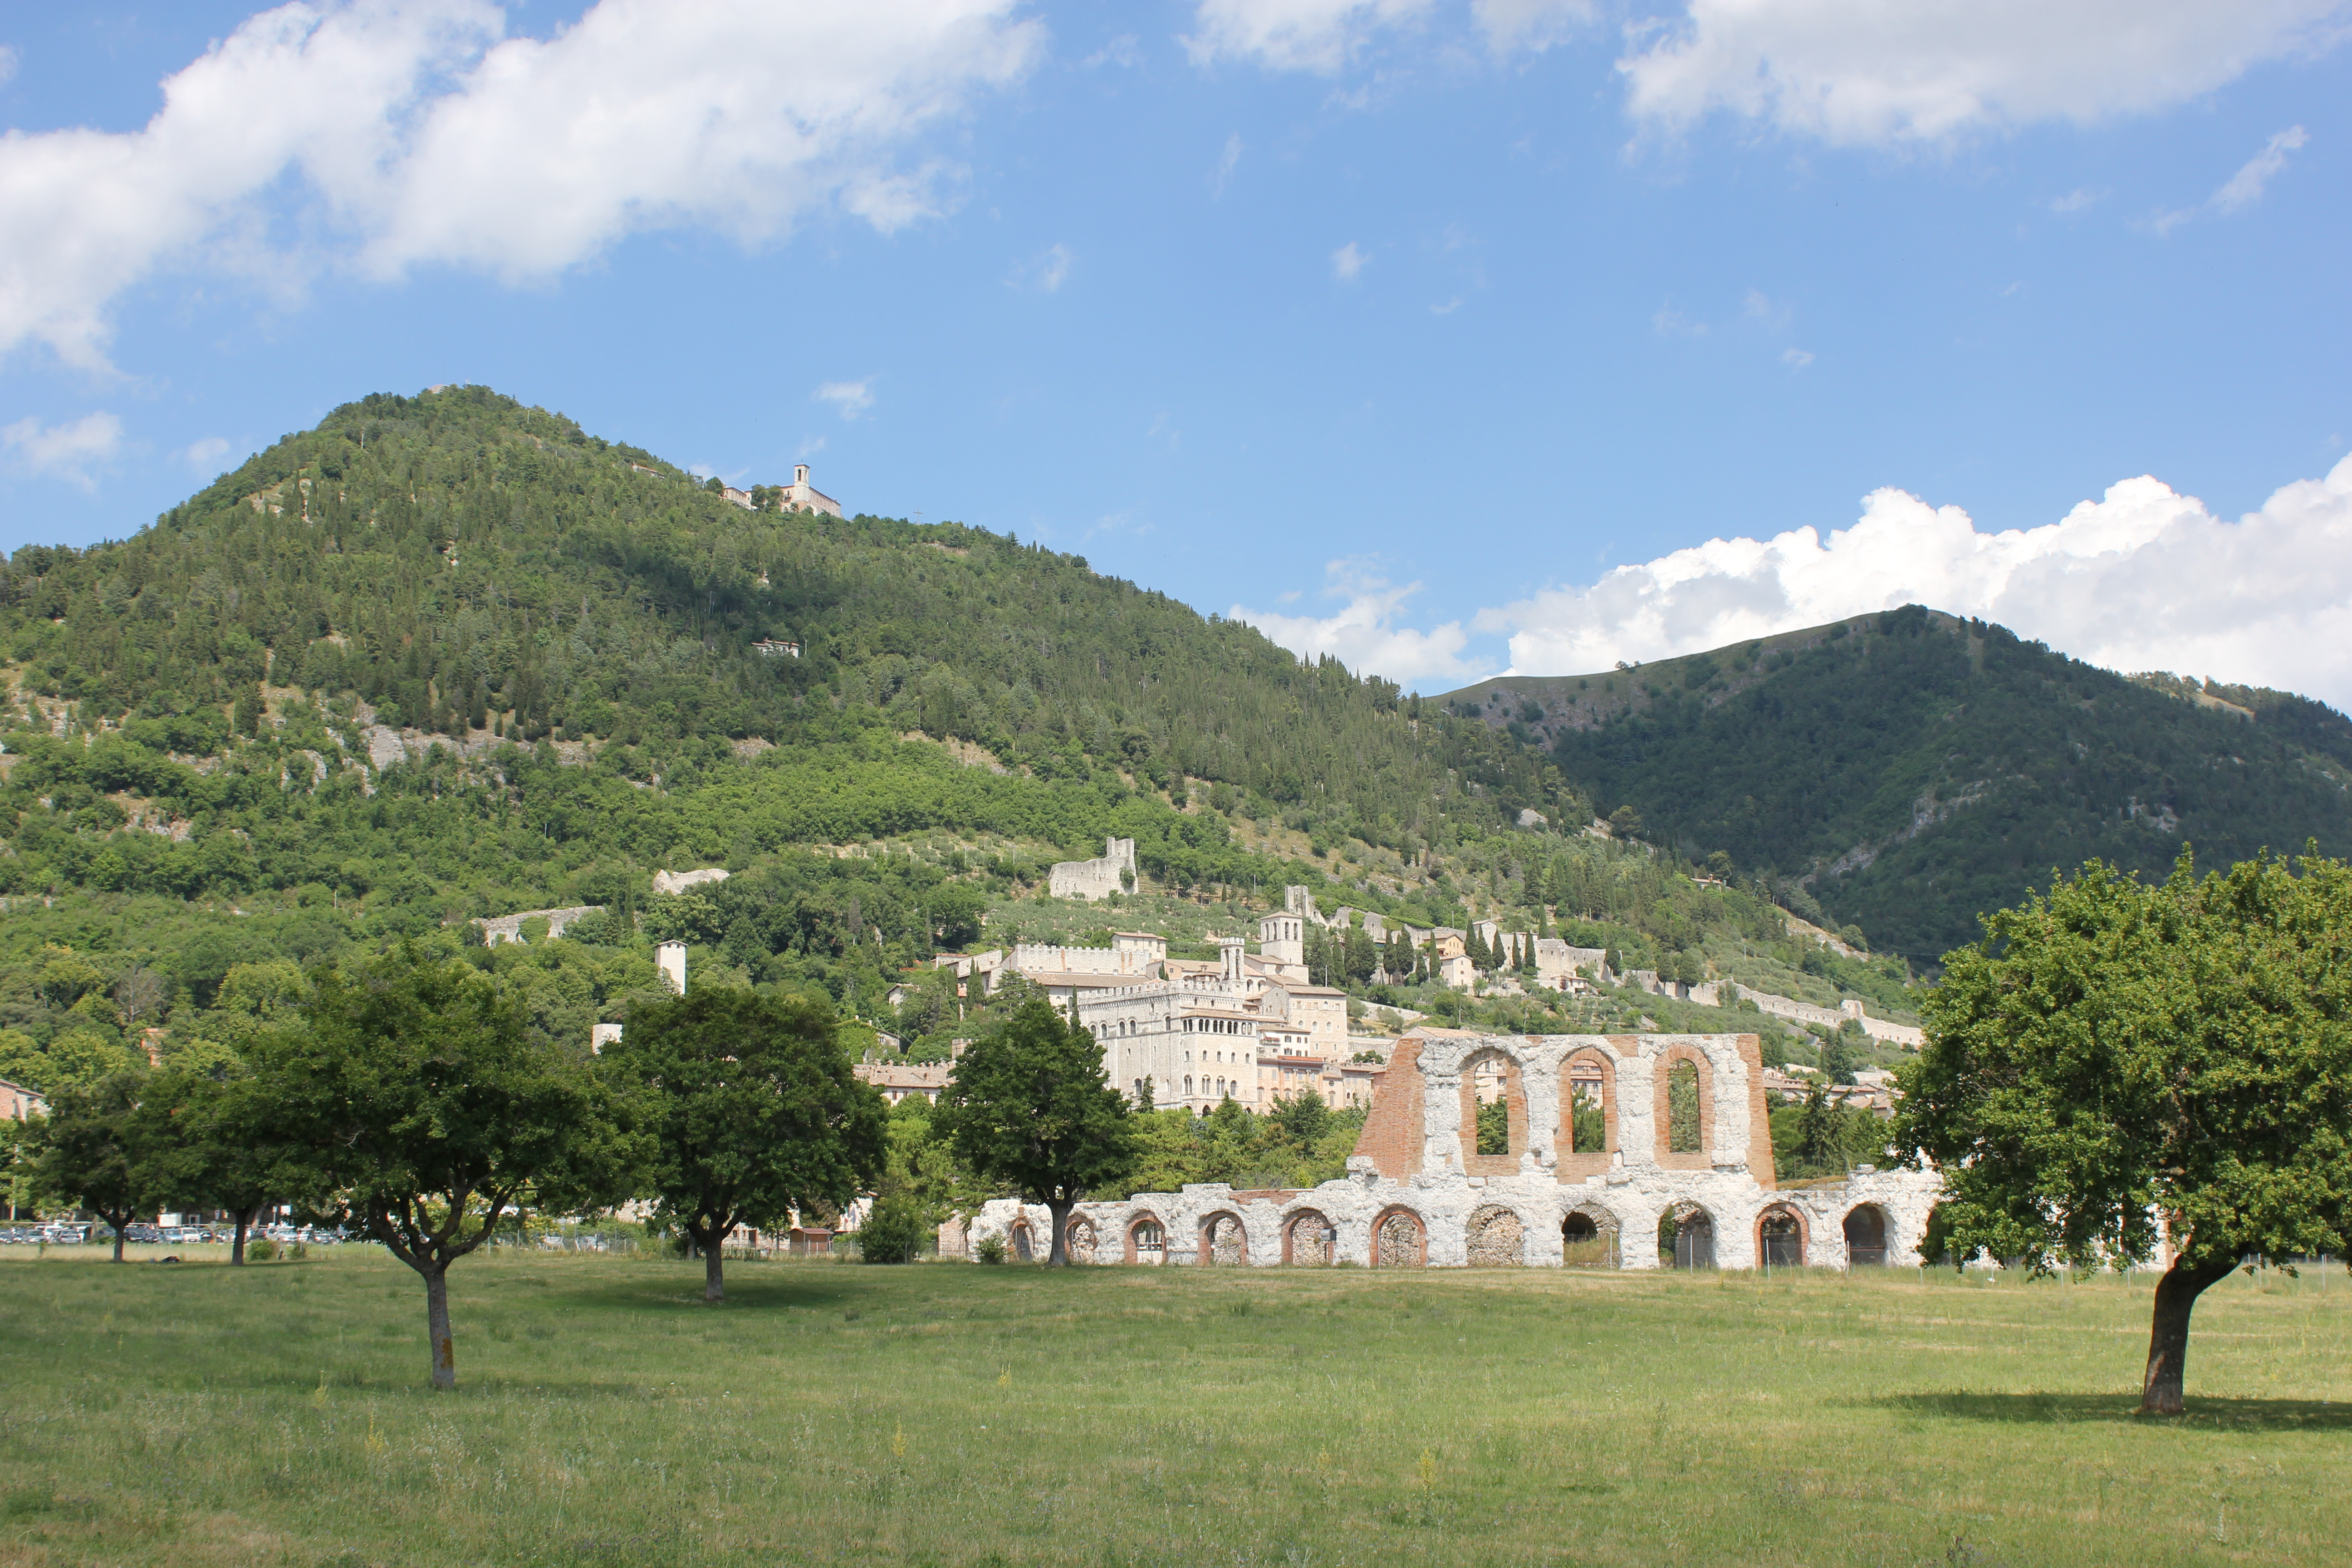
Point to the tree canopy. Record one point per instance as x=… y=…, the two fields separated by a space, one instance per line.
x=752 y=1112
x=1029 y=1105
x=2121 y=1067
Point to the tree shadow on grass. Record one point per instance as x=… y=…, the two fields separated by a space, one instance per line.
x=2122 y=1409
x=806 y=1290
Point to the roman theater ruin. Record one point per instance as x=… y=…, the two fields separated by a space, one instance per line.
x=1680 y=1174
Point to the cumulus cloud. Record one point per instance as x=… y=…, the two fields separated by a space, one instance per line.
x=2143 y=578
x=849 y=398
x=383 y=134
x=1348 y=262
x=1291 y=34
x=67 y=452
x=1531 y=24
x=1864 y=72
x=1364 y=635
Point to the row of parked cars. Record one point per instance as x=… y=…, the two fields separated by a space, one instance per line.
x=73 y=1232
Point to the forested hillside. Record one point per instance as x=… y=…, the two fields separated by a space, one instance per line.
x=447 y=657
x=1915 y=769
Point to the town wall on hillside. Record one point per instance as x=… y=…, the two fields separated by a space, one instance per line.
x=1092 y=880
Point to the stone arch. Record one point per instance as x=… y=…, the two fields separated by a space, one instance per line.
x=1399 y=1240
x=1588 y=1237
x=1702 y=1138
x=1686 y=1237
x=1081 y=1238
x=1223 y=1239
x=1147 y=1239
x=1497 y=1237
x=1024 y=1244
x=1310 y=1238
x=1784 y=1236
x=1511 y=1091
x=1865 y=1228
x=1575 y=1160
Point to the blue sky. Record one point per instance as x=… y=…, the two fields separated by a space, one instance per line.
x=1444 y=335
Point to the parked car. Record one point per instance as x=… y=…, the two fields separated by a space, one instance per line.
x=147 y=1233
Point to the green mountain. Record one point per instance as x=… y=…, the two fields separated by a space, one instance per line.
x=1912 y=769
x=450 y=657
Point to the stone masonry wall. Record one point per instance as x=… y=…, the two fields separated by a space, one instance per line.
x=1092 y=880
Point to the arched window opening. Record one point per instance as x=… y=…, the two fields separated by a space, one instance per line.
x=1682 y=1108
x=1021 y=1246
x=1498 y=1239
x=1081 y=1239
x=1687 y=1238
x=1309 y=1239
x=1147 y=1241
x=1223 y=1241
x=1865 y=1237
x=1494 y=1112
x=1587 y=1243
x=1780 y=1238
x=1397 y=1241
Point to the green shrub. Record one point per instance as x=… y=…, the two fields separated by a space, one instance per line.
x=989 y=1250
x=260 y=1249
x=894 y=1232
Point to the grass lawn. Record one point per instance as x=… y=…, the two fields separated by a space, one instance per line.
x=955 y=1413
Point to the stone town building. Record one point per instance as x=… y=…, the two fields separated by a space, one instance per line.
x=18 y=1103
x=1417 y=1193
x=897 y=1080
x=1092 y=880
x=509 y=928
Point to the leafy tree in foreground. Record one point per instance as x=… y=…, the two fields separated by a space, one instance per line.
x=99 y=1153
x=754 y=1111
x=1029 y=1106
x=220 y=1148
x=424 y=1111
x=2118 y=1064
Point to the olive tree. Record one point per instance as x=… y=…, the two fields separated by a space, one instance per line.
x=421 y=1109
x=2119 y=1066
x=753 y=1111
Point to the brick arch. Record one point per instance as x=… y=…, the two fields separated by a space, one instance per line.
x=1400 y=1246
x=1515 y=1103
x=1497 y=1237
x=1662 y=1075
x=1321 y=1237
x=1081 y=1238
x=1696 y=1221
x=1208 y=1238
x=1022 y=1240
x=1804 y=1231
x=1602 y=1223
x=1573 y=1165
x=1136 y=1253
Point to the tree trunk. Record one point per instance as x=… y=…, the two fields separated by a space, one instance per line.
x=2168 y=1339
x=119 y=1225
x=236 y=1243
x=437 y=1326
x=1059 y=1257
x=714 y=1275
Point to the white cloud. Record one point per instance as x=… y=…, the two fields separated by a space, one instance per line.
x=1291 y=34
x=1043 y=271
x=1364 y=634
x=1226 y=164
x=1669 y=323
x=2141 y=579
x=1348 y=262
x=849 y=398
x=1122 y=51
x=1796 y=359
x=391 y=133
x=67 y=452
x=2245 y=187
x=1867 y=71
x=204 y=453
x=2075 y=199
x=9 y=60
x=1531 y=24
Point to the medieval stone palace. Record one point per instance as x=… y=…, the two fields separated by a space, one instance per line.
x=1681 y=1174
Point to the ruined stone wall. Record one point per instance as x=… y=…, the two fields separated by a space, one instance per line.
x=1417 y=1193
x=509 y=928
x=1092 y=880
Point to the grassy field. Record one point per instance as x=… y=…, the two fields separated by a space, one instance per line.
x=954 y=1413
